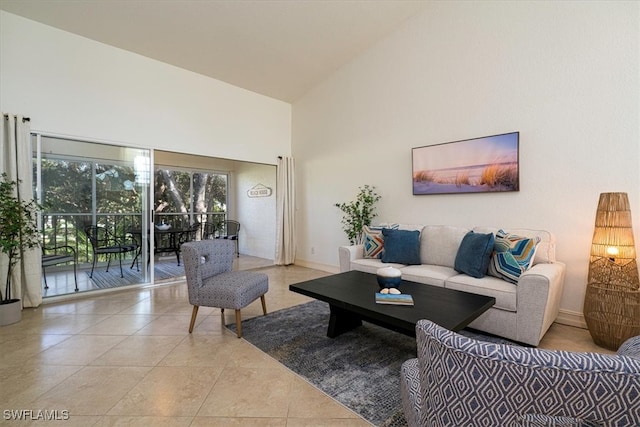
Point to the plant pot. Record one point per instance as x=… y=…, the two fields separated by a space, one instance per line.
x=10 y=311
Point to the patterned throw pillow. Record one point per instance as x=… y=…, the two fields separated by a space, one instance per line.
x=374 y=240
x=512 y=256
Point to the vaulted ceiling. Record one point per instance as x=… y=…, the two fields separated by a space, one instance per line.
x=276 y=48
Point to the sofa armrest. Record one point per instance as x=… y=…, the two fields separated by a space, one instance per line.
x=539 y=294
x=630 y=348
x=348 y=254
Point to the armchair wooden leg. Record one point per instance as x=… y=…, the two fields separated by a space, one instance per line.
x=194 y=313
x=239 y=324
x=264 y=305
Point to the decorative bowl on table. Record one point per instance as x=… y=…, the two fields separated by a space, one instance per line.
x=389 y=277
x=163 y=227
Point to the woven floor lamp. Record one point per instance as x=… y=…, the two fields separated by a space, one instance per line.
x=612 y=300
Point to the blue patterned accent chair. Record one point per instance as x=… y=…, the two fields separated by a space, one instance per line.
x=208 y=266
x=459 y=381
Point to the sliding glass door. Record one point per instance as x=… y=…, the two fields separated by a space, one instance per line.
x=83 y=185
x=87 y=187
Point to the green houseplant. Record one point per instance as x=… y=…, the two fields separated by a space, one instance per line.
x=18 y=231
x=358 y=213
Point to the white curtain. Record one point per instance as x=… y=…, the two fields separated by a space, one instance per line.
x=285 y=212
x=15 y=160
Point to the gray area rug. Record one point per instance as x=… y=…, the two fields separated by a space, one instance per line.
x=360 y=368
x=111 y=279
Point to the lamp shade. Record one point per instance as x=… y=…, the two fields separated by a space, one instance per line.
x=613 y=232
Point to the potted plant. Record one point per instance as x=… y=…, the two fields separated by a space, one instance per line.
x=18 y=231
x=358 y=213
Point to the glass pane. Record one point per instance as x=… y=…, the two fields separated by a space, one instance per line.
x=67 y=202
x=85 y=184
x=117 y=189
x=172 y=191
x=210 y=198
x=62 y=178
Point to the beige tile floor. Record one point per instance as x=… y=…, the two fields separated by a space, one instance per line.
x=126 y=358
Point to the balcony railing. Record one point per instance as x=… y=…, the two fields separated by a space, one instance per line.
x=66 y=229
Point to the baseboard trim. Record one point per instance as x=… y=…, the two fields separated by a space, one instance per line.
x=317 y=266
x=571 y=318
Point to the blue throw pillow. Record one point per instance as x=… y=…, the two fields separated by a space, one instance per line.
x=401 y=246
x=474 y=254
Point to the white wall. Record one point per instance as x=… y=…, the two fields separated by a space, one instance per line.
x=564 y=74
x=73 y=86
x=257 y=215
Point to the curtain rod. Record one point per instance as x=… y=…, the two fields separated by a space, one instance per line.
x=24 y=119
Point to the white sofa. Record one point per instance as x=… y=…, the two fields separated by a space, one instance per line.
x=523 y=312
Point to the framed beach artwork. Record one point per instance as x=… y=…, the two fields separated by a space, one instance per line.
x=478 y=165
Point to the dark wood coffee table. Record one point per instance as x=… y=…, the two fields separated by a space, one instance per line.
x=351 y=298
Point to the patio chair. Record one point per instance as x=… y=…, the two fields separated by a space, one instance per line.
x=230 y=230
x=59 y=255
x=208 y=230
x=103 y=242
x=211 y=282
x=189 y=234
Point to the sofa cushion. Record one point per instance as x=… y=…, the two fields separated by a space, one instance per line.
x=439 y=244
x=512 y=256
x=434 y=275
x=505 y=293
x=401 y=246
x=410 y=227
x=474 y=253
x=371 y=265
x=546 y=249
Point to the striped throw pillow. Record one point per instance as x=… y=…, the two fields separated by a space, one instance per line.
x=512 y=256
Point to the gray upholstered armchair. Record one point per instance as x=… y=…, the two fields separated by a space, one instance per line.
x=458 y=381
x=211 y=282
